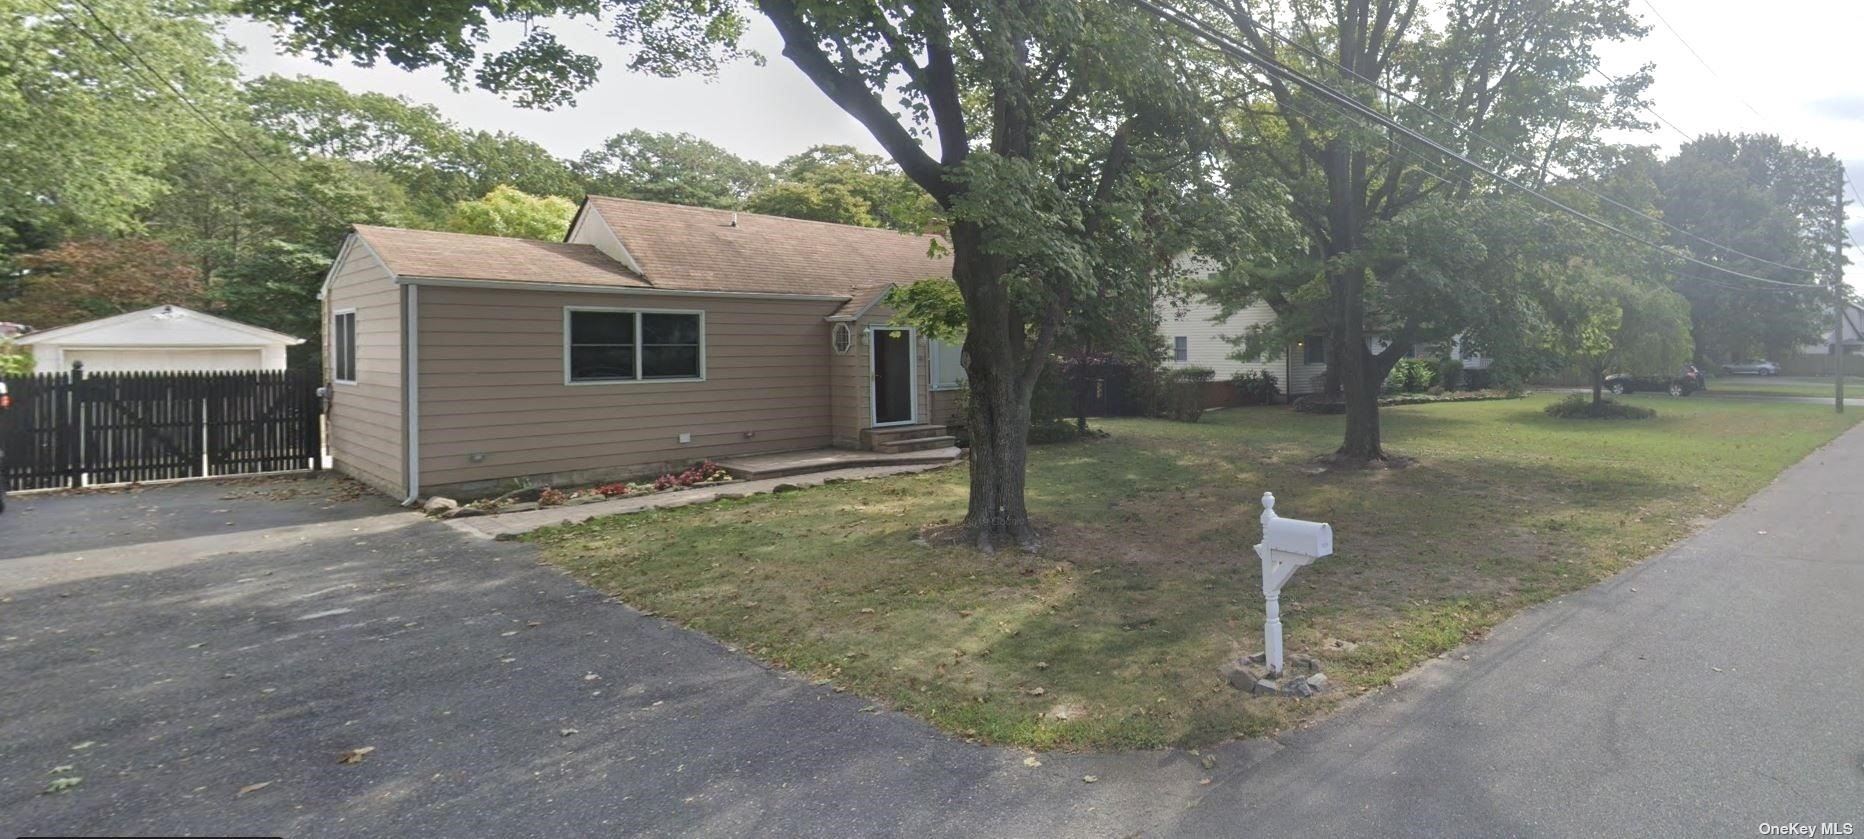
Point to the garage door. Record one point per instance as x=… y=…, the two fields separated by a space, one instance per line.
x=118 y=361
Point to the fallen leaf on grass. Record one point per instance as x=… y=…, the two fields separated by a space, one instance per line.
x=1209 y=761
x=253 y=787
x=59 y=785
x=355 y=755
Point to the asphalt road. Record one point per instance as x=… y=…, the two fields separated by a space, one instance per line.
x=1703 y=693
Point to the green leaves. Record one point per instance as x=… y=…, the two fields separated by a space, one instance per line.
x=508 y=212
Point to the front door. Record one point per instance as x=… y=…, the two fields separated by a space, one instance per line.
x=893 y=376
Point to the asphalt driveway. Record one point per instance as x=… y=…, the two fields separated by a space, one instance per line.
x=170 y=665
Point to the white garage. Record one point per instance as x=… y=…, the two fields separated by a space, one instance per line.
x=159 y=339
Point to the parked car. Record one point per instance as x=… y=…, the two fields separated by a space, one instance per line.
x=1751 y=368
x=1685 y=382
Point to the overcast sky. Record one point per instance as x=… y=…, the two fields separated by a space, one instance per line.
x=1785 y=66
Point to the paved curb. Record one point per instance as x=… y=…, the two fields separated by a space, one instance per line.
x=513 y=525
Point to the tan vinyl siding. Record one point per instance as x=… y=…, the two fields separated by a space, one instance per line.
x=492 y=388
x=365 y=419
x=945 y=407
x=1205 y=341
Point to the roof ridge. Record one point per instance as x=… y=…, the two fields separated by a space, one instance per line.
x=424 y=230
x=698 y=208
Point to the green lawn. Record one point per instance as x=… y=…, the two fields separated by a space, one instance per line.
x=1780 y=386
x=1113 y=636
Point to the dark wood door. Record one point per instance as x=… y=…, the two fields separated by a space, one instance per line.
x=893 y=376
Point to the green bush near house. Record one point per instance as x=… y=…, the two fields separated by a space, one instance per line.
x=1411 y=375
x=1181 y=393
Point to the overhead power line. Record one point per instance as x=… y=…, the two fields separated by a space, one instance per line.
x=142 y=65
x=1700 y=60
x=1275 y=68
x=1472 y=134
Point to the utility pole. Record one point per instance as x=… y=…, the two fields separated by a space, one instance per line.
x=1838 y=300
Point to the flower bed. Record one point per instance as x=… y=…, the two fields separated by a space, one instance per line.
x=532 y=498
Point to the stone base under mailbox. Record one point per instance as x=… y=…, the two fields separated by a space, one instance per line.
x=1251 y=673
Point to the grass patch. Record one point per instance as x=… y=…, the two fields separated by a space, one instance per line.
x=1777 y=386
x=1112 y=638
x=1581 y=406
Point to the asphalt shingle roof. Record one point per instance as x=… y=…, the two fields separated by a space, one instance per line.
x=680 y=249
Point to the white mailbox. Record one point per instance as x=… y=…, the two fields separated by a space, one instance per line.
x=1287 y=544
x=1312 y=539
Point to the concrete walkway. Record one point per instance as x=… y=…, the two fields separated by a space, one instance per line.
x=511 y=525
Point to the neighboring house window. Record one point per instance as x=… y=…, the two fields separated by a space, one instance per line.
x=947 y=365
x=1314 y=349
x=1181 y=348
x=614 y=345
x=343 y=346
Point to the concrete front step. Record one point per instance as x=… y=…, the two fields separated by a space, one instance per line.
x=915 y=444
x=872 y=438
x=756 y=467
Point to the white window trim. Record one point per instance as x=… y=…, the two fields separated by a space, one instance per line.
x=912 y=375
x=337 y=353
x=932 y=363
x=637 y=380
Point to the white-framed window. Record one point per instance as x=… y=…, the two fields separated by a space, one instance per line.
x=1181 y=348
x=947 y=362
x=603 y=345
x=343 y=346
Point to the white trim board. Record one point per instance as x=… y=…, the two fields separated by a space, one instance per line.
x=912 y=376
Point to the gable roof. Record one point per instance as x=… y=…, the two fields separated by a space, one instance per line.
x=701 y=249
x=466 y=256
x=124 y=324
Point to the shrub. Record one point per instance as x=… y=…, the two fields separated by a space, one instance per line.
x=1411 y=375
x=1450 y=373
x=1181 y=393
x=703 y=473
x=614 y=490
x=1255 y=387
x=1581 y=406
x=551 y=497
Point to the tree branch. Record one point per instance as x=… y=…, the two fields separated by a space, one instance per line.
x=802 y=47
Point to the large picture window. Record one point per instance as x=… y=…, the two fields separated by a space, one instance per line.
x=343 y=347
x=615 y=345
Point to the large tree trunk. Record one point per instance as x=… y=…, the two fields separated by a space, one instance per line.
x=1347 y=286
x=1002 y=380
x=1598 y=386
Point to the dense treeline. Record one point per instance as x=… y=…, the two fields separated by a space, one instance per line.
x=118 y=195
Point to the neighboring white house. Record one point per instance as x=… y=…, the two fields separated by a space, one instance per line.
x=1198 y=339
x=162 y=338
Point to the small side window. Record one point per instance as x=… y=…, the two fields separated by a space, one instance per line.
x=1314 y=349
x=343 y=347
x=1181 y=348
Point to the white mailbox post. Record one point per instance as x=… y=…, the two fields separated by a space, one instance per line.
x=1287 y=544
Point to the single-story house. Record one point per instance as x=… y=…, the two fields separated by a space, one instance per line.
x=158 y=339
x=652 y=337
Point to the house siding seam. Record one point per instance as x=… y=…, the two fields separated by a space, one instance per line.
x=365 y=419
x=491 y=387
x=1207 y=348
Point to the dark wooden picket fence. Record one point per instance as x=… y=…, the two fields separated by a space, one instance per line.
x=77 y=429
